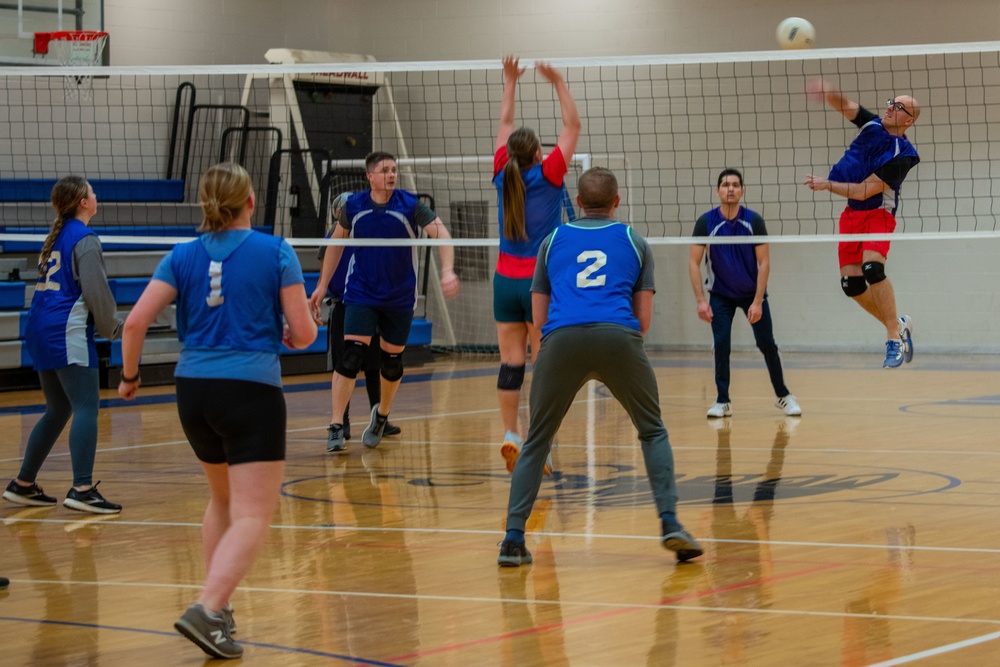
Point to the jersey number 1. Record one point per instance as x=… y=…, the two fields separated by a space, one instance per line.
x=215 y=297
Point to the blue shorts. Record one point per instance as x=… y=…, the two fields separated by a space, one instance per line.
x=511 y=299
x=393 y=324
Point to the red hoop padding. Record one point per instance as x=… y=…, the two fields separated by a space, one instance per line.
x=42 y=39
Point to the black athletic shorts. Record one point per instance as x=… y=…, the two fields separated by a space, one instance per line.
x=232 y=421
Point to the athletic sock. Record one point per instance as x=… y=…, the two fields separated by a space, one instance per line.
x=515 y=535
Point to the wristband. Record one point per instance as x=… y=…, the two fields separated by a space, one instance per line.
x=131 y=380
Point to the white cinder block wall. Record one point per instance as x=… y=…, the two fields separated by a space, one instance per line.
x=949 y=288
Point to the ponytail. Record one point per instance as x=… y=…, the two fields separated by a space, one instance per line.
x=66 y=197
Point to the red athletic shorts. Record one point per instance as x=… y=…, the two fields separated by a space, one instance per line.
x=876 y=221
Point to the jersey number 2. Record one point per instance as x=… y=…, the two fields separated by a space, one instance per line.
x=55 y=263
x=597 y=261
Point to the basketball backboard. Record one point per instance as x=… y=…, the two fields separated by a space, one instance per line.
x=21 y=19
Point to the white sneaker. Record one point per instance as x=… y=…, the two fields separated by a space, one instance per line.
x=720 y=410
x=789 y=405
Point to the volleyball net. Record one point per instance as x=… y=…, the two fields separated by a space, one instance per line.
x=665 y=125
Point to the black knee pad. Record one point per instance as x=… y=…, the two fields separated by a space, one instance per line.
x=392 y=365
x=352 y=359
x=874 y=272
x=853 y=285
x=511 y=377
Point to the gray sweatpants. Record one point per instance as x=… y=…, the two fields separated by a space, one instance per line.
x=568 y=357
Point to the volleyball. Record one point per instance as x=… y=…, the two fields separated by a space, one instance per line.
x=796 y=33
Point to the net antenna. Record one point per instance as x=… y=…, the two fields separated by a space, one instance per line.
x=74 y=48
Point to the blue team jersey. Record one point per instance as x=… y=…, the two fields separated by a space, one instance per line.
x=229 y=303
x=592 y=273
x=60 y=328
x=379 y=276
x=872 y=149
x=731 y=268
x=335 y=290
x=543 y=211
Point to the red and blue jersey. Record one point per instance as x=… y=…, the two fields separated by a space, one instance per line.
x=544 y=202
x=60 y=328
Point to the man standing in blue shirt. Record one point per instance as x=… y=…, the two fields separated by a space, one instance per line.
x=873 y=166
x=737 y=279
x=380 y=289
x=592 y=298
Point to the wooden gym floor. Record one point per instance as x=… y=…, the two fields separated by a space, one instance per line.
x=863 y=533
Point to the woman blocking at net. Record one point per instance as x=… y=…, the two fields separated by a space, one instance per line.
x=530 y=196
x=232 y=286
x=71 y=300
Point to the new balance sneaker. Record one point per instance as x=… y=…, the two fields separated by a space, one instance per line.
x=906 y=335
x=678 y=540
x=720 y=410
x=510 y=450
x=391 y=429
x=513 y=554
x=28 y=495
x=789 y=406
x=91 y=501
x=227 y=615
x=335 y=438
x=376 y=426
x=209 y=631
x=893 y=354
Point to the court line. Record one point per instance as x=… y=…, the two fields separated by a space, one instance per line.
x=495 y=533
x=174 y=635
x=494 y=600
x=929 y=653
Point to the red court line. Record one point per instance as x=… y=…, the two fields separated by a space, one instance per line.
x=609 y=614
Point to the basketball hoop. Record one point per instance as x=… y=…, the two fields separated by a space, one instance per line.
x=74 y=48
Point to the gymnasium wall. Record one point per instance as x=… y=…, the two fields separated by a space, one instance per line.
x=949 y=288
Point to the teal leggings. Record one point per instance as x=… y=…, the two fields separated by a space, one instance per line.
x=71 y=391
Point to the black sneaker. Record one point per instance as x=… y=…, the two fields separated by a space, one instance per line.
x=373 y=433
x=678 y=540
x=4 y=583
x=335 y=438
x=28 y=495
x=513 y=554
x=209 y=631
x=391 y=429
x=91 y=501
x=347 y=427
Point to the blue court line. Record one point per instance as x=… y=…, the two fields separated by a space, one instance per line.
x=162 y=633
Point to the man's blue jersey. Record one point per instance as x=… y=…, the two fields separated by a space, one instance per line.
x=60 y=328
x=592 y=273
x=731 y=268
x=871 y=150
x=379 y=276
x=229 y=303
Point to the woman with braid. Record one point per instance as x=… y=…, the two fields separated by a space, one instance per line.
x=530 y=196
x=71 y=300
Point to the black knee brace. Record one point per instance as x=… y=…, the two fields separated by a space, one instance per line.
x=352 y=359
x=392 y=365
x=874 y=272
x=511 y=377
x=853 y=285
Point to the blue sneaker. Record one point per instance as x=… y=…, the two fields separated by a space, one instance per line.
x=906 y=335
x=893 y=354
